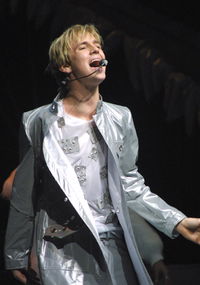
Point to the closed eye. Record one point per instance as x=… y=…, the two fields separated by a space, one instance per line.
x=89 y=46
x=82 y=47
x=98 y=45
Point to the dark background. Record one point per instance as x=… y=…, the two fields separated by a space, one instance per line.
x=153 y=52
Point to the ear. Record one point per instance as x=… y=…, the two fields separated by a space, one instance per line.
x=65 y=69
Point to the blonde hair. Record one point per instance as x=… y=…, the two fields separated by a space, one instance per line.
x=59 y=51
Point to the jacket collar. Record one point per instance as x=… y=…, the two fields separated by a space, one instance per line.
x=99 y=104
x=53 y=108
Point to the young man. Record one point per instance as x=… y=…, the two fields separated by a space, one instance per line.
x=78 y=178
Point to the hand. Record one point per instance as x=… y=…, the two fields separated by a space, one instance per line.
x=160 y=273
x=6 y=191
x=27 y=276
x=19 y=276
x=190 y=229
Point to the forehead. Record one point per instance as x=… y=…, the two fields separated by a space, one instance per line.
x=86 y=38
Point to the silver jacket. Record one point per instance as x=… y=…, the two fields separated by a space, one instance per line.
x=126 y=186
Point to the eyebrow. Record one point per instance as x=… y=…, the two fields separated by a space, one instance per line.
x=86 y=42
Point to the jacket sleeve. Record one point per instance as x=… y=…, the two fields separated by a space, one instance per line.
x=21 y=215
x=139 y=197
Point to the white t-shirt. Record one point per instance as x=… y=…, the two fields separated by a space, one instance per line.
x=87 y=152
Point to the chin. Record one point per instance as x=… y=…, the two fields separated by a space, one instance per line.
x=101 y=77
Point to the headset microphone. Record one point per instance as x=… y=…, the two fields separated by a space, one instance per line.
x=96 y=63
x=103 y=62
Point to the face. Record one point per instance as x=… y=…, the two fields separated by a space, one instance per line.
x=83 y=53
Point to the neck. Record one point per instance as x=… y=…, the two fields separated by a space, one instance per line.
x=81 y=103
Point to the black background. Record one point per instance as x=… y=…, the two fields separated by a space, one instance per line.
x=158 y=79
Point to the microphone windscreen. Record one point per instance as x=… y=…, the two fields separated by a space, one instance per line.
x=103 y=62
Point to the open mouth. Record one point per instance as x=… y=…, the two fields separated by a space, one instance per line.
x=95 y=63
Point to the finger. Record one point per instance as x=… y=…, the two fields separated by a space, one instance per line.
x=19 y=276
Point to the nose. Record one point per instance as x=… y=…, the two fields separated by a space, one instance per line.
x=94 y=49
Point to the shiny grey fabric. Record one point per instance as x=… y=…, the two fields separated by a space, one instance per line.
x=76 y=259
x=126 y=187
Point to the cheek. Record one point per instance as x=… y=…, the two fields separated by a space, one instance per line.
x=80 y=60
x=103 y=54
x=77 y=62
x=76 y=57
